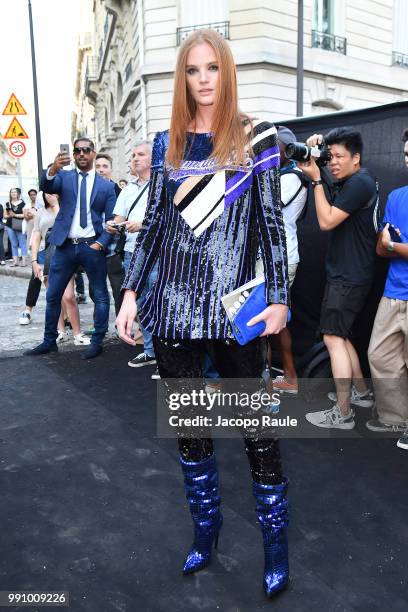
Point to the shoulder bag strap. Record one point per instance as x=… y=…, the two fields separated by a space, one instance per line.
x=137 y=199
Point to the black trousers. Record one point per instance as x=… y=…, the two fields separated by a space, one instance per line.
x=2 y=254
x=183 y=359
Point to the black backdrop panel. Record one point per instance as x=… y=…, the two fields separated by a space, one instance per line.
x=381 y=128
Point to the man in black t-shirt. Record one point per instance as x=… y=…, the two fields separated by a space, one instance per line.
x=349 y=266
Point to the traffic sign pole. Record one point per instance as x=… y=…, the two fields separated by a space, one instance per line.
x=19 y=176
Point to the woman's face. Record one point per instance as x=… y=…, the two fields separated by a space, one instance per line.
x=202 y=73
x=14 y=194
x=52 y=199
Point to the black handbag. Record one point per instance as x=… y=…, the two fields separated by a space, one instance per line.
x=17 y=224
x=121 y=241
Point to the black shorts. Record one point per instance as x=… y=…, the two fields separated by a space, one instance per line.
x=340 y=307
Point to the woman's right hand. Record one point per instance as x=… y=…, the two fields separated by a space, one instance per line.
x=126 y=317
x=38 y=270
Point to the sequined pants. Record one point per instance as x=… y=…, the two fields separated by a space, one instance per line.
x=183 y=359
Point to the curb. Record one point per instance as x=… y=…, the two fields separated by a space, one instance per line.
x=17 y=271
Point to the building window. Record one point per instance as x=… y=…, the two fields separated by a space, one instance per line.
x=195 y=15
x=323 y=16
x=399 y=33
x=192 y=13
x=328 y=18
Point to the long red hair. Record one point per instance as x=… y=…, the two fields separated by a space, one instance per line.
x=228 y=133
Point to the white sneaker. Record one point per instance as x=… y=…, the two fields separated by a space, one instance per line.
x=364 y=400
x=25 y=318
x=82 y=340
x=63 y=336
x=331 y=418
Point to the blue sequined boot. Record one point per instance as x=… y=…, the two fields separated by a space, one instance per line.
x=272 y=513
x=201 y=484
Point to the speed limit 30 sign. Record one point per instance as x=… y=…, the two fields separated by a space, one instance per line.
x=17 y=148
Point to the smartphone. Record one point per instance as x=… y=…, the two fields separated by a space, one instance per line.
x=393 y=233
x=64 y=148
x=394 y=236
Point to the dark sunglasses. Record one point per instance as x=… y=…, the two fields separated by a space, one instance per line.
x=406 y=153
x=86 y=150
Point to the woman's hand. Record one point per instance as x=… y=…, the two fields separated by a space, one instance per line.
x=126 y=317
x=275 y=317
x=38 y=270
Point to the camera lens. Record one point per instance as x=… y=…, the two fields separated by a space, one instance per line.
x=297 y=151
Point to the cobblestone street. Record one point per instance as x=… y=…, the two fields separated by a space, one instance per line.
x=15 y=338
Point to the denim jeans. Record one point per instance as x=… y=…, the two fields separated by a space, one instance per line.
x=17 y=239
x=147 y=336
x=126 y=260
x=64 y=263
x=2 y=254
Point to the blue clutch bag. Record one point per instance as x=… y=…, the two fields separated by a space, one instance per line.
x=243 y=304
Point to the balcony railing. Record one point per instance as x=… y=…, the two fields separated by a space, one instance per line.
x=329 y=42
x=222 y=27
x=399 y=59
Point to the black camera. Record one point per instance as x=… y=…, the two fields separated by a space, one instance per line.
x=301 y=152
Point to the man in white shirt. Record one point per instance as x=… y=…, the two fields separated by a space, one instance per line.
x=130 y=210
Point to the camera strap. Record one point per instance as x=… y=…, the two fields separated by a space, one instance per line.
x=292 y=169
x=137 y=199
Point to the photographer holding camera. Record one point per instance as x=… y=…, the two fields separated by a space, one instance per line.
x=129 y=213
x=349 y=263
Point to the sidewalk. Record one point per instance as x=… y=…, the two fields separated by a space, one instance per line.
x=15 y=338
x=17 y=271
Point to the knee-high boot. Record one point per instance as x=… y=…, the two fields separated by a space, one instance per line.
x=272 y=513
x=201 y=484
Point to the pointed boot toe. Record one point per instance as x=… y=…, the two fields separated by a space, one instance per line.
x=201 y=484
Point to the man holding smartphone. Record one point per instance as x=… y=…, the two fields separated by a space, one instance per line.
x=350 y=266
x=388 y=350
x=86 y=201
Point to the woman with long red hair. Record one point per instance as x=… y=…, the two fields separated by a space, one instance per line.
x=213 y=202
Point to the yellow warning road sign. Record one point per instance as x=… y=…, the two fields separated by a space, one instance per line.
x=14 y=107
x=15 y=130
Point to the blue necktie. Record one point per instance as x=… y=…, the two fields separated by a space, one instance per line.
x=83 y=213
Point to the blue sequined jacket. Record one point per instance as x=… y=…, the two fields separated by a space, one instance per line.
x=206 y=224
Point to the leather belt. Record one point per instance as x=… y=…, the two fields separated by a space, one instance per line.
x=79 y=240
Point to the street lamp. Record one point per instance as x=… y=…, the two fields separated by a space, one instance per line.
x=36 y=110
x=299 y=71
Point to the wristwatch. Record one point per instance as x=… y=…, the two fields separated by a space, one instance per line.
x=390 y=246
x=318 y=182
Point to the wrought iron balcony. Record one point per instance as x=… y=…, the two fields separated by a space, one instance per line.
x=399 y=59
x=222 y=27
x=329 y=42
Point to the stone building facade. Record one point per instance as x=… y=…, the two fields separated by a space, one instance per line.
x=8 y=165
x=355 y=55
